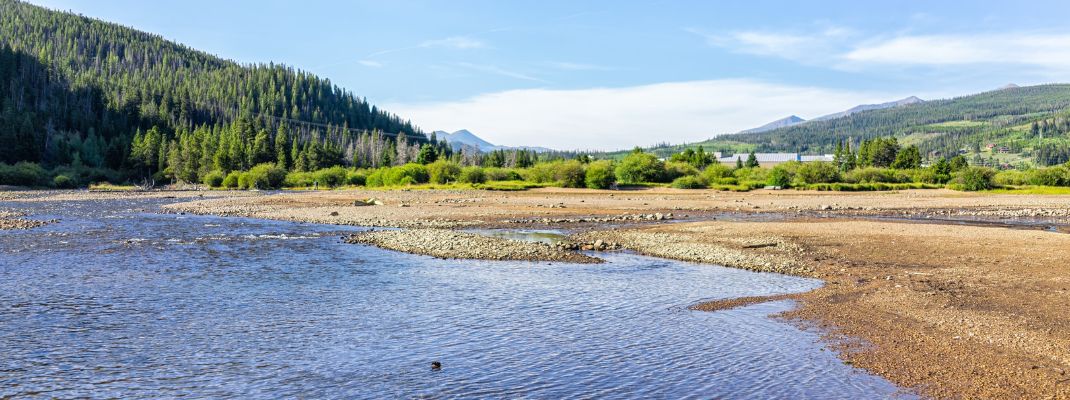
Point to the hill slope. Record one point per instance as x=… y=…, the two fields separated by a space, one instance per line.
x=77 y=90
x=1003 y=118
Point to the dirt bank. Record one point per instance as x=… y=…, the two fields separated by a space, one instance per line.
x=954 y=311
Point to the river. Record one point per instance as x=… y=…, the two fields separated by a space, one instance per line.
x=118 y=301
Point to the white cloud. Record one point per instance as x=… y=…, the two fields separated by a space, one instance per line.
x=620 y=118
x=455 y=42
x=370 y=63
x=1048 y=51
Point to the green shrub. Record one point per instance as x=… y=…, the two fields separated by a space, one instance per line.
x=243 y=181
x=688 y=182
x=639 y=168
x=23 y=174
x=569 y=174
x=474 y=175
x=930 y=176
x=1011 y=178
x=599 y=175
x=408 y=174
x=539 y=173
x=231 y=180
x=376 y=178
x=443 y=171
x=263 y=176
x=213 y=179
x=1051 y=176
x=716 y=173
x=779 y=177
x=356 y=178
x=62 y=182
x=817 y=172
x=675 y=170
x=974 y=179
x=751 y=176
x=501 y=174
x=871 y=175
x=330 y=177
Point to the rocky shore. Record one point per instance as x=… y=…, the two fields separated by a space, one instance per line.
x=763 y=254
x=443 y=243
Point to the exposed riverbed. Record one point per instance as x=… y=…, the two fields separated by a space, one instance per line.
x=115 y=300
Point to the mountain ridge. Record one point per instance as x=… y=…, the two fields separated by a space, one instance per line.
x=464 y=137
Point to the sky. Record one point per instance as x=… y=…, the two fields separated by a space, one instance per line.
x=603 y=75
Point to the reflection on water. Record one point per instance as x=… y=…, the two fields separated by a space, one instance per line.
x=115 y=301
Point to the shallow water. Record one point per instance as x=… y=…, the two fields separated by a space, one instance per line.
x=116 y=301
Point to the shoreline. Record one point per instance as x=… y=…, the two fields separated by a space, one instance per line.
x=969 y=304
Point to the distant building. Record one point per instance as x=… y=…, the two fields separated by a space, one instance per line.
x=767 y=159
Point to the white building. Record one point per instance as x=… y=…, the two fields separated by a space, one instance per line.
x=774 y=158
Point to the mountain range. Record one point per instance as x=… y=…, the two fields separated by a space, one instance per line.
x=463 y=138
x=795 y=120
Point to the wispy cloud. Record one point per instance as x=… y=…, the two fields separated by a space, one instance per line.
x=846 y=49
x=573 y=66
x=617 y=118
x=370 y=63
x=493 y=69
x=803 y=47
x=455 y=42
x=1047 y=51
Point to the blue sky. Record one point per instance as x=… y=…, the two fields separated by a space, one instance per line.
x=614 y=74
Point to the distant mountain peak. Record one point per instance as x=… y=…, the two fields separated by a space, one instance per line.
x=464 y=137
x=780 y=123
x=1008 y=86
x=867 y=107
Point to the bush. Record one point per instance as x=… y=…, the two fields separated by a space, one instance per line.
x=263 y=176
x=501 y=174
x=675 y=170
x=930 y=176
x=62 y=182
x=569 y=174
x=330 y=177
x=443 y=171
x=408 y=174
x=871 y=175
x=539 y=173
x=473 y=175
x=751 y=176
x=779 y=177
x=599 y=175
x=23 y=174
x=231 y=180
x=817 y=172
x=688 y=182
x=974 y=179
x=213 y=179
x=243 y=181
x=1011 y=178
x=356 y=178
x=639 y=168
x=375 y=178
x=1051 y=176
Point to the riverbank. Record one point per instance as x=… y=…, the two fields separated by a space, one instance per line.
x=955 y=311
x=956 y=295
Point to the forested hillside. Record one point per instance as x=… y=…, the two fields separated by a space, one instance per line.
x=1023 y=123
x=83 y=92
